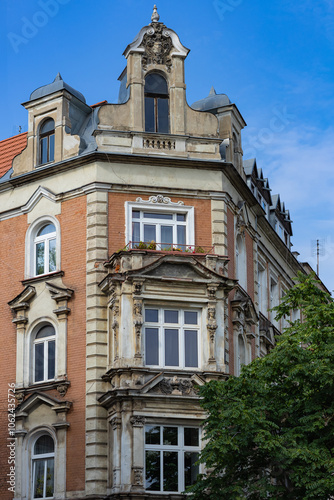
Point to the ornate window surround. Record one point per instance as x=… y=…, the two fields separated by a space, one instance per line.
x=160 y=203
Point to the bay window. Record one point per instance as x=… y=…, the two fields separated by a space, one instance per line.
x=171 y=337
x=171 y=453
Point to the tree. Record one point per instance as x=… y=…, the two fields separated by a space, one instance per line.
x=270 y=431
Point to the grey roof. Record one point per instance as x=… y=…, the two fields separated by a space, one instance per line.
x=212 y=102
x=249 y=165
x=57 y=84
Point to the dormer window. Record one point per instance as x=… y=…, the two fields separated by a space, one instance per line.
x=47 y=142
x=156 y=104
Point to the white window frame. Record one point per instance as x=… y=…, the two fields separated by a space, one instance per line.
x=30 y=245
x=274 y=298
x=46 y=239
x=241 y=261
x=263 y=289
x=170 y=208
x=180 y=448
x=181 y=327
x=44 y=341
x=45 y=457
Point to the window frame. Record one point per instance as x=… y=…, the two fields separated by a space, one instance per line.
x=46 y=239
x=46 y=135
x=30 y=253
x=155 y=99
x=181 y=326
x=45 y=457
x=188 y=211
x=45 y=341
x=180 y=449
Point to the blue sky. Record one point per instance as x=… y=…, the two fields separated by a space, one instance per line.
x=274 y=59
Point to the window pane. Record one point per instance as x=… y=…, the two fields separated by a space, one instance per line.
x=157 y=215
x=136 y=232
x=170 y=435
x=181 y=217
x=44 y=444
x=52 y=255
x=48 y=229
x=191 y=348
x=190 y=469
x=166 y=236
x=163 y=119
x=191 y=436
x=152 y=315
x=50 y=477
x=45 y=331
x=51 y=147
x=151 y=346
x=190 y=317
x=44 y=150
x=149 y=233
x=51 y=359
x=171 y=316
x=39 y=466
x=171 y=347
x=135 y=214
x=152 y=466
x=155 y=84
x=47 y=126
x=152 y=434
x=181 y=235
x=39 y=362
x=40 y=258
x=170 y=471
x=149 y=115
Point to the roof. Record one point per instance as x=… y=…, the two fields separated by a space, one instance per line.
x=9 y=148
x=57 y=84
x=212 y=102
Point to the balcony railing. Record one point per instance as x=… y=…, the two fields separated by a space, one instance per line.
x=167 y=247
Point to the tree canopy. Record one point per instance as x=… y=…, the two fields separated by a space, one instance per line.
x=270 y=431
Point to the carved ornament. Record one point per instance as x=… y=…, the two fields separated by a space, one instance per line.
x=159 y=198
x=158 y=45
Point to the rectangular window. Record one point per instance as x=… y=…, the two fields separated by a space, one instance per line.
x=171 y=337
x=166 y=229
x=171 y=453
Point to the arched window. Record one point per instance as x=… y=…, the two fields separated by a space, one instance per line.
x=47 y=141
x=44 y=355
x=45 y=250
x=43 y=467
x=156 y=104
x=240 y=261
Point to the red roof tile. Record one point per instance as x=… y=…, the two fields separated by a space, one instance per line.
x=9 y=148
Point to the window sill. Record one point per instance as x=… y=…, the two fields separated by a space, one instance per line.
x=43 y=277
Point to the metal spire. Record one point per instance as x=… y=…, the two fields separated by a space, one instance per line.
x=155 y=16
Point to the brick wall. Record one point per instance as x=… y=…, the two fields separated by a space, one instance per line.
x=12 y=238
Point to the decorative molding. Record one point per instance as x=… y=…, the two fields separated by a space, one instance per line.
x=157 y=45
x=115 y=423
x=137 y=287
x=137 y=475
x=159 y=198
x=137 y=421
x=175 y=386
x=138 y=322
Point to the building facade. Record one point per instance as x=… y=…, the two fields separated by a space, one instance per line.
x=140 y=255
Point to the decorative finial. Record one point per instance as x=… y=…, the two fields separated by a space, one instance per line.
x=212 y=91
x=58 y=77
x=155 y=16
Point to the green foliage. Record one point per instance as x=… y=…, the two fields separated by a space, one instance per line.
x=270 y=431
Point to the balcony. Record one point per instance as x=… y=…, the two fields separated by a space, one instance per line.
x=136 y=255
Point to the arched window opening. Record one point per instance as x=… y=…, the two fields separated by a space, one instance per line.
x=43 y=467
x=241 y=262
x=47 y=141
x=45 y=250
x=44 y=354
x=241 y=354
x=156 y=104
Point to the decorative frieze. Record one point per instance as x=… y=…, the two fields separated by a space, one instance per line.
x=159 y=198
x=137 y=421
